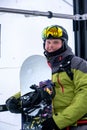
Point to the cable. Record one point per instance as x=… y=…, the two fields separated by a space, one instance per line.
x=68 y=3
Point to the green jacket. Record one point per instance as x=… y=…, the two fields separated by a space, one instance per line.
x=70 y=101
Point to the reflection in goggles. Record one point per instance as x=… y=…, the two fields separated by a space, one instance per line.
x=53 y=31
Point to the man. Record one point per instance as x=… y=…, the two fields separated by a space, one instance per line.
x=69 y=73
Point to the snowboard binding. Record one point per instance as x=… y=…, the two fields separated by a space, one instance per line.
x=37 y=105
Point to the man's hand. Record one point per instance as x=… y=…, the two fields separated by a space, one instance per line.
x=48 y=86
x=36 y=97
x=13 y=105
x=43 y=92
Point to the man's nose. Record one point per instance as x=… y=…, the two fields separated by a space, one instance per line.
x=51 y=44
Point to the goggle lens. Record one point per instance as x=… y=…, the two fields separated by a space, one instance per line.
x=55 y=32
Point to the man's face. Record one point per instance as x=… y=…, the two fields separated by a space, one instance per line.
x=52 y=45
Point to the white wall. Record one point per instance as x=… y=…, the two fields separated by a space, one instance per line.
x=20 y=38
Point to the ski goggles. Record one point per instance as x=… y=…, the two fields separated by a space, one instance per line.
x=55 y=32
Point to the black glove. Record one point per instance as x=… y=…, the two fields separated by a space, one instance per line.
x=45 y=91
x=49 y=124
x=45 y=96
x=36 y=97
x=40 y=94
x=13 y=105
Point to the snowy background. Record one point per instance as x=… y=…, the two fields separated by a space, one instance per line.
x=20 y=37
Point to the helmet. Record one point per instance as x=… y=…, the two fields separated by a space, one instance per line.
x=55 y=32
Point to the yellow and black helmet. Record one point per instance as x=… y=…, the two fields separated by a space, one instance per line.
x=55 y=32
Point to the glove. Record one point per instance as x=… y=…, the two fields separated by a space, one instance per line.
x=13 y=105
x=37 y=96
x=40 y=94
x=49 y=124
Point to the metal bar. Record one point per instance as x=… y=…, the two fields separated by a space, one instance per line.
x=0 y=40
x=48 y=14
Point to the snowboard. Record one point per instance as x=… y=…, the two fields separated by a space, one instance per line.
x=33 y=70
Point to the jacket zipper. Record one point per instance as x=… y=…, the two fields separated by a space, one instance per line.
x=62 y=87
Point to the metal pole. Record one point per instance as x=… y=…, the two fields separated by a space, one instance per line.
x=80 y=29
x=0 y=40
x=48 y=14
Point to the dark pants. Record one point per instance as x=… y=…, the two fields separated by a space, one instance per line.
x=80 y=127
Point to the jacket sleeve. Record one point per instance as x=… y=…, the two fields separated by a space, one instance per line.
x=17 y=95
x=78 y=106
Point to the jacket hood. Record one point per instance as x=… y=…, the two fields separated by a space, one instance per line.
x=67 y=52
